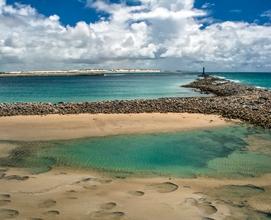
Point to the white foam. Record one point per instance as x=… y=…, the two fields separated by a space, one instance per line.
x=231 y=80
x=235 y=80
x=261 y=87
x=220 y=77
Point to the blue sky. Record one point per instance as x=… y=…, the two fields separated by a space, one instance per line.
x=237 y=10
x=224 y=35
x=72 y=11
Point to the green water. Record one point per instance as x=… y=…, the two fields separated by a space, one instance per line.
x=211 y=152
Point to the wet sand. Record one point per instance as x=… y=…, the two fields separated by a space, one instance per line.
x=77 y=194
x=6 y=148
x=60 y=127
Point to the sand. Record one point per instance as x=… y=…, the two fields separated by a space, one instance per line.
x=71 y=194
x=6 y=148
x=77 y=194
x=60 y=127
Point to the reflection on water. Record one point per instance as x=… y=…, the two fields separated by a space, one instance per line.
x=227 y=152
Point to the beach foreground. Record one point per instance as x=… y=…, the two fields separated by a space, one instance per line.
x=77 y=194
x=73 y=193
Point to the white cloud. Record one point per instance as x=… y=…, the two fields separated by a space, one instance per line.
x=207 y=5
x=157 y=33
x=266 y=14
x=233 y=45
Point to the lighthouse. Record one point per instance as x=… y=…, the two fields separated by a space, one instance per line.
x=203 y=72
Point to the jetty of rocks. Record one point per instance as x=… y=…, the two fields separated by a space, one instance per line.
x=230 y=100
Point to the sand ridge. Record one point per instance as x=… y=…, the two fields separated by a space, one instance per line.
x=60 y=127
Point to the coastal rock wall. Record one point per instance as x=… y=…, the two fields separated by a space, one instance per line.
x=221 y=87
x=232 y=100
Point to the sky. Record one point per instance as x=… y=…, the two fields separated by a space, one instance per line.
x=223 y=35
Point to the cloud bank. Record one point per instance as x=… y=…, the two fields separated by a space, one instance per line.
x=167 y=34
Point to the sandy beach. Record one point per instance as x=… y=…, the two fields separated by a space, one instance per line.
x=73 y=194
x=77 y=194
x=61 y=127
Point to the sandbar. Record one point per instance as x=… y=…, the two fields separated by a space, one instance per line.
x=63 y=127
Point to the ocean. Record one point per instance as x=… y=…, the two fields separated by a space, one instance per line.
x=259 y=79
x=95 y=88
x=111 y=86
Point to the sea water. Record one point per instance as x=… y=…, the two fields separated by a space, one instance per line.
x=111 y=86
x=251 y=78
x=216 y=152
x=95 y=88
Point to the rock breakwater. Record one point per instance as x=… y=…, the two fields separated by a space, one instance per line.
x=231 y=100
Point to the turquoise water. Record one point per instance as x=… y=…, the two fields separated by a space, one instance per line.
x=110 y=87
x=95 y=88
x=252 y=78
x=211 y=152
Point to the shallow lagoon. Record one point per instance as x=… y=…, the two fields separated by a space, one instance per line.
x=217 y=152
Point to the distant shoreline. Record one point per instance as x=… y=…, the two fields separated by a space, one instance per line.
x=82 y=72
